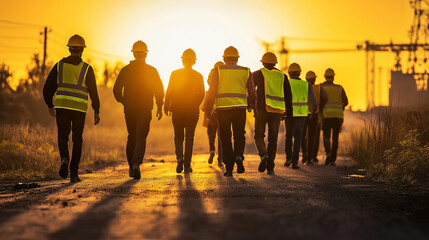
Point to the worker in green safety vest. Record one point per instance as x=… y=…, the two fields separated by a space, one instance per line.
x=227 y=94
x=71 y=81
x=333 y=100
x=273 y=98
x=302 y=95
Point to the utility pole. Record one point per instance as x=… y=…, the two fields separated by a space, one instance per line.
x=44 y=50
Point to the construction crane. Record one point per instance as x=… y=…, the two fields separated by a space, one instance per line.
x=407 y=87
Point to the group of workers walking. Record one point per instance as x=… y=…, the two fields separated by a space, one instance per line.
x=272 y=96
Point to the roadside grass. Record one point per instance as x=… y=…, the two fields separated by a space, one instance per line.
x=394 y=146
x=28 y=151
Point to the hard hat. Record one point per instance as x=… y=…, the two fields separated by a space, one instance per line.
x=189 y=54
x=139 y=46
x=294 y=67
x=218 y=64
x=310 y=74
x=231 y=52
x=76 y=41
x=269 y=57
x=329 y=72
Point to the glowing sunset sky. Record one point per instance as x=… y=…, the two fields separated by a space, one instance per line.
x=208 y=27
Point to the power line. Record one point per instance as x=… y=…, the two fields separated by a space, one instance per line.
x=320 y=39
x=21 y=23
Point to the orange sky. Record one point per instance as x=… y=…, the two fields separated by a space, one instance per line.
x=208 y=27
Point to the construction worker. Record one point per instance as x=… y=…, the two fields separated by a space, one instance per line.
x=309 y=150
x=227 y=93
x=72 y=80
x=135 y=87
x=273 y=98
x=333 y=100
x=302 y=96
x=211 y=124
x=185 y=93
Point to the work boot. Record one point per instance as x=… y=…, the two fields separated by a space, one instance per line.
x=328 y=159
x=212 y=153
x=315 y=160
x=263 y=163
x=64 y=169
x=136 y=171
x=179 y=167
x=309 y=162
x=130 y=170
x=288 y=163
x=228 y=173
x=74 y=178
x=219 y=163
x=270 y=172
x=332 y=163
x=295 y=166
x=304 y=158
x=240 y=166
x=188 y=170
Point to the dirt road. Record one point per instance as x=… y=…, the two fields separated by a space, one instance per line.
x=315 y=202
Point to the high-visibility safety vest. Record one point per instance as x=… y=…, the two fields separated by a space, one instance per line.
x=72 y=92
x=334 y=106
x=231 y=91
x=274 y=90
x=299 y=97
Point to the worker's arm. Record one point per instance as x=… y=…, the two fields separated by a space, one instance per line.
x=50 y=87
x=159 y=94
x=312 y=98
x=287 y=96
x=323 y=98
x=168 y=95
x=201 y=89
x=211 y=94
x=119 y=86
x=251 y=92
x=344 y=97
x=92 y=90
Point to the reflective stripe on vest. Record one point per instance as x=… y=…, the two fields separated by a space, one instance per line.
x=299 y=97
x=334 y=106
x=231 y=91
x=274 y=90
x=72 y=92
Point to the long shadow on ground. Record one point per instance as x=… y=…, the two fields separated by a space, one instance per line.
x=94 y=223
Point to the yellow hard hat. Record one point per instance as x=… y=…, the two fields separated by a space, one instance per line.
x=139 y=46
x=189 y=54
x=269 y=57
x=294 y=67
x=218 y=64
x=329 y=72
x=310 y=74
x=231 y=52
x=76 y=41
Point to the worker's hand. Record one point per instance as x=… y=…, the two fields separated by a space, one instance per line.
x=208 y=115
x=159 y=113
x=167 y=112
x=96 y=118
x=52 y=112
x=283 y=117
x=255 y=111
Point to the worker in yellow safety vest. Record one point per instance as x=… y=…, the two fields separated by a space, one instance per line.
x=311 y=126
x=333 y=100
x=227 y=94
x=302 y=96
x=71 y=80
x=273 y=98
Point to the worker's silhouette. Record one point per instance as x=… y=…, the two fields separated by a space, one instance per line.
x=185 y=93
x=333 y=100
x=212 y=125
x=135 y=87
x=71 y=80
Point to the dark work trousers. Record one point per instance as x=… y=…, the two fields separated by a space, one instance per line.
x=262 y=119
x=212 y=129
x=184 y=124
x=235 y=118
x=75 y=121
x=294 y=128
x=317 y=139
x=138 y=125
x=308 y=140
x=331 y=125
